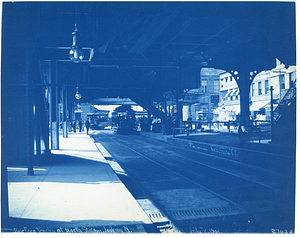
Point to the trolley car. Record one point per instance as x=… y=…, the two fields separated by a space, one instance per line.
x=123 y=119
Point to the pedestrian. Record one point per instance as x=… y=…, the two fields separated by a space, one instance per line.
x=199 y=123
x=242 y=134
x=87 y=125
x=80 y=125
x=74 y=126
x=189 y=121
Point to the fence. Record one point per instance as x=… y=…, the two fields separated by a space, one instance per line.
x=258 y=129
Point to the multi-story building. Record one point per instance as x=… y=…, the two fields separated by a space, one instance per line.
x=279 y=78
x=229 y=100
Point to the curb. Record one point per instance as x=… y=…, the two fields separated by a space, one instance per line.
x=266 y=160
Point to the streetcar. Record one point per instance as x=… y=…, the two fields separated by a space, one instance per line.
x=124 y=120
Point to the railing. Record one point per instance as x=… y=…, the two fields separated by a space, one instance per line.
x=258 y=130
x=286 y=99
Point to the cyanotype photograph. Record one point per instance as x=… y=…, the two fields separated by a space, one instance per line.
x=148 y=117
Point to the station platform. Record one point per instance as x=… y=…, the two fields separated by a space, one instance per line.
x=76 y=190
x=222 y=139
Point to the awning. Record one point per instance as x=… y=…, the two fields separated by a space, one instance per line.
x=227 y=94
x=236 y=92
x=231 y=93
x=233 y=108
x=257 y=105
x=269 y=105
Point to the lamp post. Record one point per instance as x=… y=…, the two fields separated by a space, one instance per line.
x=64 y=111
x=272 y=112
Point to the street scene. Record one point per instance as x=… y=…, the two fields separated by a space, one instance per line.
x=148 y=117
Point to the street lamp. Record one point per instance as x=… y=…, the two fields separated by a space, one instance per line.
x=76 y=53
x=77 y=95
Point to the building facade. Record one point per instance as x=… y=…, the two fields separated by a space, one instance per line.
x=281 y=79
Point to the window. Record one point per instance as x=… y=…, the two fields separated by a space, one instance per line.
x=293 y=76
x=216 y=88
x=253 y=89
x=224 y=98
x=266 y=86
x=282 y=81
x=259 y=88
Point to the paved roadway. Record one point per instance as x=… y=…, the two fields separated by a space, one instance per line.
x=203 y=193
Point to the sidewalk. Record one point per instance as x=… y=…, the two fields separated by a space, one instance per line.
x=76 y=189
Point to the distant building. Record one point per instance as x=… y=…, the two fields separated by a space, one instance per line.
x=229 y=103
x=85 y=109
x=200 y=102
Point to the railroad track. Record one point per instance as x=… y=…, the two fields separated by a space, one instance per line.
x=190 y=199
